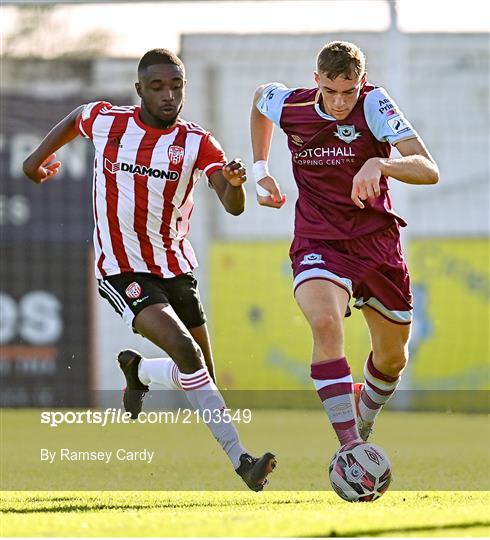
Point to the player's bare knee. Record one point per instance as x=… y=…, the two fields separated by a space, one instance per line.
x=392 y=362
x=398 y=363
x=326 y=324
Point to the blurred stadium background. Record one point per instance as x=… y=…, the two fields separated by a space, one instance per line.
x=59 y=340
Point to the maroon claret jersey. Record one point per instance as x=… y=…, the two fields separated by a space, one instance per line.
x=327 y=153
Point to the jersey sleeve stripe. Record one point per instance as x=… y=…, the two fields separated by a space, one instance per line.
x=300 y=104
x=214 y=167
x=194 y=128
x=410 y=136
x=118 y=111
x=80 y=128
x=88 y=116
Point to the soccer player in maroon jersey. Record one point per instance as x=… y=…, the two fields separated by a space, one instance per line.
x=346 y=240
x=147 y=161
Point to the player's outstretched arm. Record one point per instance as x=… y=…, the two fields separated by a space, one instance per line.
x=261 y=130
x=416 y=166
x=40 y=166
x=228 y=184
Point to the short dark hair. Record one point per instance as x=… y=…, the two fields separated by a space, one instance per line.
x=341 y=58
x=159 y=56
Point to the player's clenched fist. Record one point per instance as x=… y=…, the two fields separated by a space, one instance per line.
x=235 y=173
x=43 y=172
x=268 y=190
x=366 y=182
x=270 y=195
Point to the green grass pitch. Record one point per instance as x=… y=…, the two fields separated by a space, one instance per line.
x=305 y=514
x=448 y=453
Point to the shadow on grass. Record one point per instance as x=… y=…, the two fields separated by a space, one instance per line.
x=79 y=508
x=394 y=530
x=72 y=503
x=90 y=507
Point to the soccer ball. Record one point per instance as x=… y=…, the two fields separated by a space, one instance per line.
x=360 y=471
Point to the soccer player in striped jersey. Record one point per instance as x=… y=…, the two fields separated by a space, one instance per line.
x=147 y=162
x=346 y=240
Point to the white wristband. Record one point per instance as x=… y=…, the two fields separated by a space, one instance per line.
x=260 y=170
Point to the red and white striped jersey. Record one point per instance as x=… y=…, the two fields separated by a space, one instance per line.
x=143 y=189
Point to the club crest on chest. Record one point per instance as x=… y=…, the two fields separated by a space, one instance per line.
x=347 y=133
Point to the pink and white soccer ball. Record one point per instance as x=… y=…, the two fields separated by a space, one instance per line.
x=360 y=471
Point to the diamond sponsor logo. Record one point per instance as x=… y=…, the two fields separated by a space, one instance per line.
x=142 y=170
x=112 y=167
x=133 y=290
x=347 y=133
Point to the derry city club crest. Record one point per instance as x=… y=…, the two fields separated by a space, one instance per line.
x=176 y=154
x=347 y=133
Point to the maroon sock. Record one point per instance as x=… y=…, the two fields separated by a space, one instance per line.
x=334 y=384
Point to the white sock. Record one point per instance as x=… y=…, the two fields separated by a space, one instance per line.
x=205 y=397
x=162 y=371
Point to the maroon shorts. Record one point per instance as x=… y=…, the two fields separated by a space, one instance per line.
x=370 y=268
